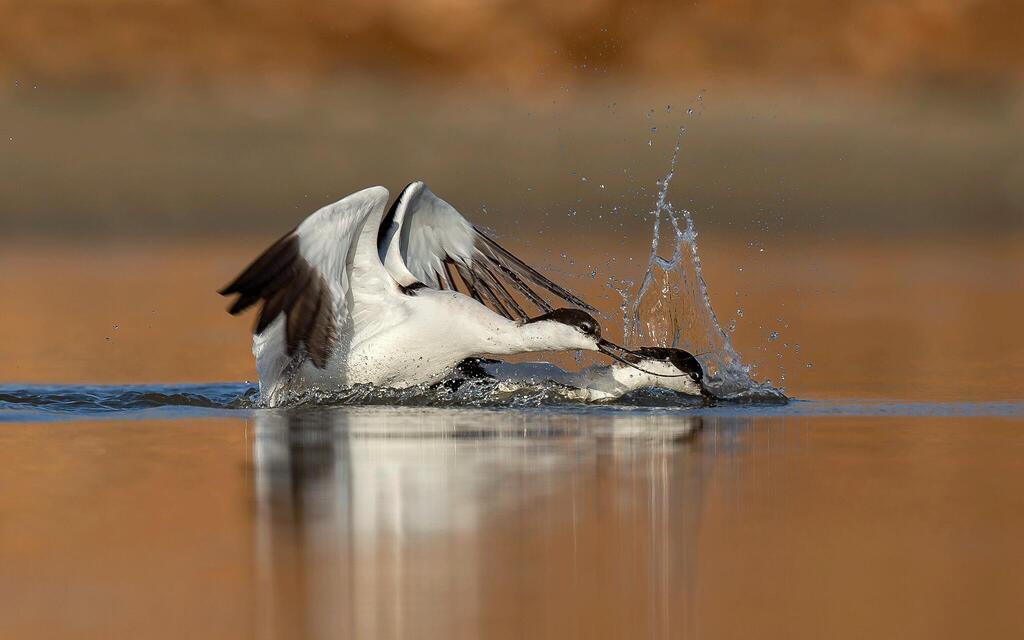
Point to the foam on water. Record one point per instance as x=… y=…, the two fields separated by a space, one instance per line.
x=672 y=306
x=48 y=403
x=16 y=402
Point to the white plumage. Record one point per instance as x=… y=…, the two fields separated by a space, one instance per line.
x=359 y=294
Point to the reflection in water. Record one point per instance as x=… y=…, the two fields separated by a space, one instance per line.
x=476 y=524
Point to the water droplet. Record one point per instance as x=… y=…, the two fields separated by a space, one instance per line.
x=773 y=336
x=808 y=365
x=654 y=129
x=739 y=312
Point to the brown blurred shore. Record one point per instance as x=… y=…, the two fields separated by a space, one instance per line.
x=515 y=44
x=189 y=117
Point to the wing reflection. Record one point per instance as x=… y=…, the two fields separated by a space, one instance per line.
x=436 y=523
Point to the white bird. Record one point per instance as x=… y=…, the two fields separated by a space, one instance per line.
x=354 y=296
x=649 y=368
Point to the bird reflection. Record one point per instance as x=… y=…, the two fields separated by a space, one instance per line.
x=437 y=523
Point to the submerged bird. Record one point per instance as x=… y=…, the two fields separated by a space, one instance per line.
x=656 y=368
x=360 y=293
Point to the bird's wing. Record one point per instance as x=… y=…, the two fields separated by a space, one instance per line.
x=311 y=274
x=423 y=239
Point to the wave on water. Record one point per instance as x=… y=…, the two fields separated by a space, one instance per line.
x=46 y=403
x=488 y=393
x=18 y=402
x=98 y=399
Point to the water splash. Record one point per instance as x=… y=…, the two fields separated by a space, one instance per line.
x=672 y=306
x=49 y=402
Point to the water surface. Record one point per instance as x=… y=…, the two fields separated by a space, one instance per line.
x=549 y=522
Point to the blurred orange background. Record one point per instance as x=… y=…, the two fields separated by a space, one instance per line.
x=125 y=116
x=855 y=169
x=519 y=44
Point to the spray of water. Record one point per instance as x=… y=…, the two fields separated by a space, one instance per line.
x=672 y=307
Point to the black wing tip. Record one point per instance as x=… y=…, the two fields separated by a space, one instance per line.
x=242 y=303
x=532 y=274
x=233 y=287
x=283 y=281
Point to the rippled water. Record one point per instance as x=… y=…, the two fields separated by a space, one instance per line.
x=74 y=402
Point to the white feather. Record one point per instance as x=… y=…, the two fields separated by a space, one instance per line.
x=424 y=232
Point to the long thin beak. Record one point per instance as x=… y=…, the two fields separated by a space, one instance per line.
x=612 y=350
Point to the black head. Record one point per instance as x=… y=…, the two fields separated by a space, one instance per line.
x=682 y=360
x=574 y=318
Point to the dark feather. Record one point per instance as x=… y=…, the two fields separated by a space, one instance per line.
x=286 y=284
x=488 y=277
x=269 y=263
x=504 y=257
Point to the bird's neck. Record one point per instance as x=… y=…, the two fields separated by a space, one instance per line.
x=507 y=337
x=478 y=330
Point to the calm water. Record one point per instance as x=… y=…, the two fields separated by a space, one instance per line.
x=166 y=513
x=883 y=503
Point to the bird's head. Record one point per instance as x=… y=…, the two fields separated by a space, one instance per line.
x=568 y=329
x=666 y=359
x=577 y=329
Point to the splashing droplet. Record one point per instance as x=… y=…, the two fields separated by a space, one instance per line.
x=672 y=305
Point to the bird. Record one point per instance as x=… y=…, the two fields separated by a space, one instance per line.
x=656 y=369
x=363 y=293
